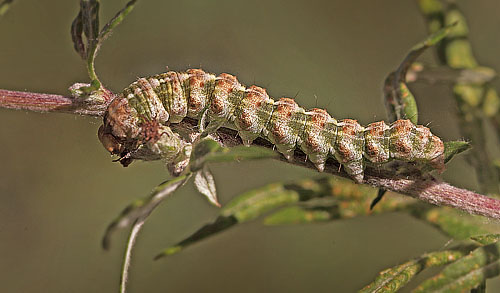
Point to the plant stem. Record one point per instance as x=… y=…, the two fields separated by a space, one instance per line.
x=134 y=232
x=426 y=188
x=456 y=52
x=39 y=102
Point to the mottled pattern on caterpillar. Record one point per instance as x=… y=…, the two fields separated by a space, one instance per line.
x=138 y=119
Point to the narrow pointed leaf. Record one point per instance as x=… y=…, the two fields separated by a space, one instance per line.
x=319 y=198
x=452 y=222
x=142 y=207
x=297 y=215
x=200 y=150
x=452 y=148
x=466 y=273
x=380 y=194
x=4 y=6
x=90 y=20
x=395 y=278
x=491 y=102
x=86 y=24
x=208 y=150
x=240 y=153
x=243 y=208
x=220 y=224
x=418 y=49
x=205 y=183
x=409 y=103
x=77 y=36
x=116 y=20
x=445 y=74
x=486 y=239
x=401 y=103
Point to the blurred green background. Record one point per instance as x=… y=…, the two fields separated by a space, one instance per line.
x=59 y=188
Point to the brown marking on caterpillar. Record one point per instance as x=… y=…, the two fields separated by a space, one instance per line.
x=200 y=91
x=347 y=142
x=224 y=87
x=313 y=142
x=151 y=131
x=350 y=147
x=253 y=113
x=121 y=119
x=318 y=119
x=253 y=100
x=401 y=140
x=376 y=142
x=282 y=129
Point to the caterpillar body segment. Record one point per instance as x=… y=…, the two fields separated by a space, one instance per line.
x=138 y=120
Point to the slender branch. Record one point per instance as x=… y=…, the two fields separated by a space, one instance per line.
x=39 y=102
x=160 y=193
x=456 y=52
x=426 y=188
x=134 y=232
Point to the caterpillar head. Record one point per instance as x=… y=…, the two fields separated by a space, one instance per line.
x=109 y=141
x=114 y=145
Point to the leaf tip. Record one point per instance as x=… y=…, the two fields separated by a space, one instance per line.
x=452 y=148
x=169 y=251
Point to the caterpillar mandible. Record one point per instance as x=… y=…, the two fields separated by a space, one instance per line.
x=137 y=122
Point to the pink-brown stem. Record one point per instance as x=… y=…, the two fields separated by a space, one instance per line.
x=39 y=102
x=426 y=188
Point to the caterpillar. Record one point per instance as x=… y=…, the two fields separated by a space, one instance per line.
x=137 y=122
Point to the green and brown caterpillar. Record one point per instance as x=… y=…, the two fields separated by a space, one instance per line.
x=136 y=124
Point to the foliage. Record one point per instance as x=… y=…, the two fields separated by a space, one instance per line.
x=474 y=256
x=322 y=199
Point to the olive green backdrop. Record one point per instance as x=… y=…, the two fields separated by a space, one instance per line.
x=59 y=188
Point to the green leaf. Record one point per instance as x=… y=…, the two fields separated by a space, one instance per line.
x=77 y=36
x=297 y=215
x=90 y=19
x=400 y=101
x=445 y=74
x=429 y=7
x=452 y=222
x=209 y=151
x=243 y=208
x=452 y=148
x=141 y=208
x=205 y=183
x=116 y=20
x=466 y=273
x=395 y=278
x=220 y=224
x=491 y=102
x=4 y=6
x=409 y=103
x=486 y=239
x=86 y=24
x=320 y=199
x=200 y=150
x=240 y=153
x=252 y=204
